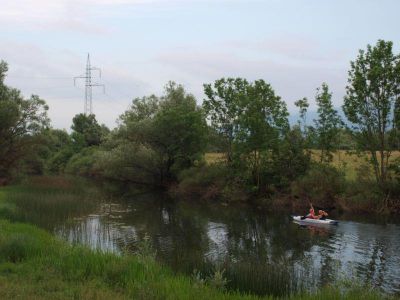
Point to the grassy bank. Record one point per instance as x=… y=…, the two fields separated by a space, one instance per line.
x=36 y=265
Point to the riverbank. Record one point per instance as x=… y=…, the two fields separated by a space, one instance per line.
x=346 y=184
x=34 y=264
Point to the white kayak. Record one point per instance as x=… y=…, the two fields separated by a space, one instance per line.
x=314 y=221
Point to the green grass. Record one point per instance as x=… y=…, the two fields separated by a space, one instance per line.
x=46 y=201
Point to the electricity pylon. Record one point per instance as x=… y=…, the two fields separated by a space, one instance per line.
x=88 y=106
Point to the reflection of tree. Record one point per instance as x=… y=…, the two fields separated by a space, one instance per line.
x=376 y=267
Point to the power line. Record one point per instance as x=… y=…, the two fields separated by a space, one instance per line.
x=88 y=106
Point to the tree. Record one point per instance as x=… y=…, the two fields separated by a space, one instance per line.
x=252 y=119
x=86 y=131
x=306 y=131
x=372 y=103
x=261 y=126
x=303 y=105
x=179 y=131
x=59 y=148
x=168 y=132
x=290 y=160
x=222 y=108
x=327 y=125
x=21 y=121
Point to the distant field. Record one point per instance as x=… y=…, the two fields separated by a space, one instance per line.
x=349 y=162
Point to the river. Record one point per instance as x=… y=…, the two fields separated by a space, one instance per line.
x=249 y=244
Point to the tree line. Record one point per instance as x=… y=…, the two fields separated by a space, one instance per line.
x=160 y=141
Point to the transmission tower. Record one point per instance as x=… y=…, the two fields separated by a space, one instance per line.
x=88 y=106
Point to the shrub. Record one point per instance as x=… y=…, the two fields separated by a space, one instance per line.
x=82 y=163
x=210 y=182
x=56 y=164
x=322 y=185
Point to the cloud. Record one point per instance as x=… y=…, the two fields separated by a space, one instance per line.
x=290 y=80
x=293 y=47
x=70 y=15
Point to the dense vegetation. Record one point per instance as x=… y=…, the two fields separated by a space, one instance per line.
x=161 y=141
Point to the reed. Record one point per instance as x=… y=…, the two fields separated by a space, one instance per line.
x=48 y=201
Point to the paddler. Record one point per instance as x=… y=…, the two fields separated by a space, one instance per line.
x=322 y=214
x=311 y=214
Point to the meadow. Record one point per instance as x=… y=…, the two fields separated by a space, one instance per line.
x=348 y=161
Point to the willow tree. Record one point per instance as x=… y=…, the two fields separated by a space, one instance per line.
x=372 y=101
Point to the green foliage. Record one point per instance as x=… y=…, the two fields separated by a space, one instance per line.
x=167 y=132
x=303 y=105
x=179 y=130
x=290 y=160
x=82 y=163
x=21 y=120
x=130 y=163
x=372 y=102
x=222 y=107
x=327 y=125
x=252 y=119
x=322 y=185
x=86 y=131
x=215 y=141
x=218 y=280
x=210 y=182
x=57 y=162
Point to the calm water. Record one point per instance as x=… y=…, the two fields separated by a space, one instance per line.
x=189 y=236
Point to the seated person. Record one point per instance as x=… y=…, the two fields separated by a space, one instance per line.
x=312 y=215
x=322 y=214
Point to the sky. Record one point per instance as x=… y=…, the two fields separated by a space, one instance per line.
x=142 y=44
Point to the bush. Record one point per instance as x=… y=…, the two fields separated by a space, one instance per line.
x=363 y=194
x=82 y=163
x=210 y=182
x=322 y=184
x=56 y=164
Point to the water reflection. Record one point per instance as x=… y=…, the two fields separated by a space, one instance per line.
x=191 y=236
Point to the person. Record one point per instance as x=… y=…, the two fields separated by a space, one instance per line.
x=311 y=214
x=322 y=214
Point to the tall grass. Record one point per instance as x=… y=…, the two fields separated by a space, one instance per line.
x=247 y=276
x=46 y=201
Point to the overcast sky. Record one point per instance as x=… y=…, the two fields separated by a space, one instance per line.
x=142 y=44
